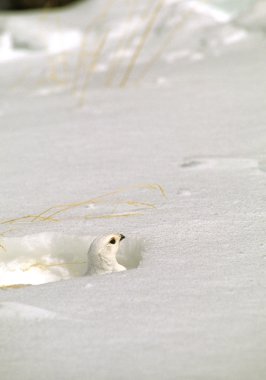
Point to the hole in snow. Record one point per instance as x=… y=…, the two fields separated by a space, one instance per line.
x=47 y=257
x=221 y=163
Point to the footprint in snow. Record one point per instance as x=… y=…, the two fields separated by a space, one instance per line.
x=220 y=163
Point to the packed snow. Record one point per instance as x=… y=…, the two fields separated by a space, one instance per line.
x=146 y=119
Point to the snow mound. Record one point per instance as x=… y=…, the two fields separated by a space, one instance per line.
x=254 y=18
x=9 y=310
x=23 y=38
x=47 y=257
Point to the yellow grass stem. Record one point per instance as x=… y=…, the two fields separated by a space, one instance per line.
x=164 y=46
x=16 y=286
x=44 y=266
x=99 y=19
x=95 y=59
x=10 y=221
x=122 y=43
x=144 y=37
x=110 y=216
x=147 y=10
x=2 y=247
x=98 y=199
x=59 y=209
x=6 y=231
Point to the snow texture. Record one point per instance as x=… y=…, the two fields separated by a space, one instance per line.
x=152 y=125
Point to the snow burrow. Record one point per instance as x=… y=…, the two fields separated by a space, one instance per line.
x=47 y=257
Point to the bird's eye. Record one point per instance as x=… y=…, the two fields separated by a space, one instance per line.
x=112 y=241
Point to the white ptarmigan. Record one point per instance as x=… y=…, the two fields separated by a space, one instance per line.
x=102 y=254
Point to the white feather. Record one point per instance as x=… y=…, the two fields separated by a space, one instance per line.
x=102 y=255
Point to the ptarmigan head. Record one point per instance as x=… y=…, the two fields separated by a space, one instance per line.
x=102 y=254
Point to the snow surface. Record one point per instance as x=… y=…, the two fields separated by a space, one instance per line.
x=158 y=132
x=18 y=310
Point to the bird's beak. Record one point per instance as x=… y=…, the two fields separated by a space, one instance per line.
x=122 y=237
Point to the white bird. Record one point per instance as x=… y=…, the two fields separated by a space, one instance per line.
x=102 y=254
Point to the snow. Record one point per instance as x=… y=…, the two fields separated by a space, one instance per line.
x=47 y=257
x=172 y=155
x=21 y=38
x=16 y=310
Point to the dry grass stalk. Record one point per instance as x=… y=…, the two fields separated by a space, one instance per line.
x=16 y=286
x=66 y=207
x=91 y=69
x=122 y=43
x=44 y=266
x=49 y=214
x=110 y=216
x=99 y=19
x=2 y=247
x=164 y=46
x=6 y=231
x=150 y=3
x=15 y=220
x=144 y=37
